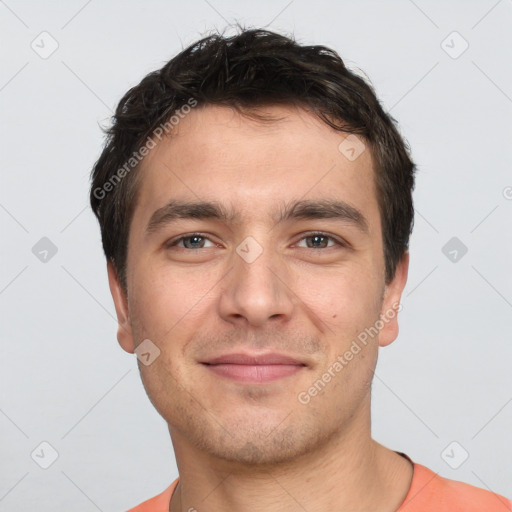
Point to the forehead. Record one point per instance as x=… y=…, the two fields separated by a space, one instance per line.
x=217 y=154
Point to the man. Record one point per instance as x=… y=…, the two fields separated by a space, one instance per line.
x=255 y=205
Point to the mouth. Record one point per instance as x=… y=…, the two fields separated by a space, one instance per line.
x=254 y=368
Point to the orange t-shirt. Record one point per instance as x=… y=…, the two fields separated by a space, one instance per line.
x=428 y=492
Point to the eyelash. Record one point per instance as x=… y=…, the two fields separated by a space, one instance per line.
x=175 y=242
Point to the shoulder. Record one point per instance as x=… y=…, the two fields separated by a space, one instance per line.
x=429 y=489
x=158 y=503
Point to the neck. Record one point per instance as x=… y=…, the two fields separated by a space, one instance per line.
x=350 y=471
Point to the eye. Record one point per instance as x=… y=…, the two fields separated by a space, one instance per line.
x=198 y=240
x=319 y=240
x=192 y=241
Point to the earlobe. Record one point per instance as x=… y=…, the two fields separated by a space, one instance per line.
x=391 y=304
x=124 y=329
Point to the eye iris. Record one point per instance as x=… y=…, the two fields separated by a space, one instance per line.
x=316 y=238
x=194 y=237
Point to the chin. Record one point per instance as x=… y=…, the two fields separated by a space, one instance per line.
x=275 y=445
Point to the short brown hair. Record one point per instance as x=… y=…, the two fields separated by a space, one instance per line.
x=251 y=69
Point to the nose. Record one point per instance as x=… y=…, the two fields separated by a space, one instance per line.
x=256 y=290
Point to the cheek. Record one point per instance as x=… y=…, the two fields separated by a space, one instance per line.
x=164 y=302
x=346 y=299
x=346 y=303
x=165 y=310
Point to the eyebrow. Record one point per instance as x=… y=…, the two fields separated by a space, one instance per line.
x=302 y=209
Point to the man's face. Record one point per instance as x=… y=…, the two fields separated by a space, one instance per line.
x=304 y=287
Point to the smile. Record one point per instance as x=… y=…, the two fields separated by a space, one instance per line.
x=254 y=372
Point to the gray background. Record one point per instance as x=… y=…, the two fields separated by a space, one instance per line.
x=64 y=378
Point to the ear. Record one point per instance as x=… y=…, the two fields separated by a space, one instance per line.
x=391 y=302
x=124 y=329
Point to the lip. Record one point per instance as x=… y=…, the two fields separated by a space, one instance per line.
x=254 y=359
x=255 y=368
